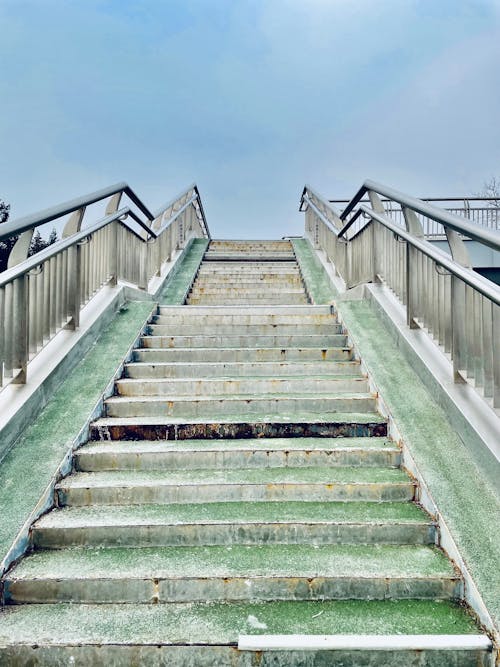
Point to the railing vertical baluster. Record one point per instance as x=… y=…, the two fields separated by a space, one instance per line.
x=32 y=312
x=470 y=331
x=9 y=330
x=113 y=254
x=53 y=291
x=458 y=319
x=487 y=355
x=496 y=355
x=40 y=307
x=21 y=341
x=477 y=343
x=2 y=333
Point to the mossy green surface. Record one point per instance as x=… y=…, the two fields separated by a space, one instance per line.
x=243 y=512
x=220 y=623
x=461 y=488
x=27 y=469
x=287 y=560
x=177 y=286
x=318 y=283
x=306 y=474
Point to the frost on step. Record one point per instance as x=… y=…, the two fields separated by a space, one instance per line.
x=254 y=622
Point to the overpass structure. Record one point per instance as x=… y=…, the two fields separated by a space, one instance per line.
x=223 y=452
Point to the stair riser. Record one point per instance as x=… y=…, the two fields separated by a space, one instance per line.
x=255 y=300
x=214 y=329
x=203 y=493
x=220 y=534
x=268 y=269
x=250 y=341
x=258 y=311
x=200 y=409
x=90 y=462
x=191 y=317
x=247 y=355
x=235 y=288
x=227 y=387
x=248 y=280
x=241 y=429
x=107 y=655
x=164 y=590
x=187 y=370
x=251 y=256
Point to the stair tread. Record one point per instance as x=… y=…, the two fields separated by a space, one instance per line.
x=274 y=476
x=235 y=513
x=221 y=622
x=256 y=417
x=247 y=444
x=297 y=560
x=355 y=376
x=224 y=398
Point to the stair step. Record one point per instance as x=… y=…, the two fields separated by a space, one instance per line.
x=235 y=298
x=211 y=328
x=217 y=279
x=208 y=485
x=295 y=425
x=254 y=341
x=260 y=290
x=243 y=354
x=238 y=316
x=187 y=634
x=252 y=452
x=216 y=387
x=228 y=369
x=269 y=572
x=266 y=406
x=234 y=523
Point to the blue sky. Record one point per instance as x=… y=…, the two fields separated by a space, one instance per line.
x=249 y=98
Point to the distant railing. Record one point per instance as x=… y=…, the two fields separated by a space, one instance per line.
x=45 y=293
x=472 y=208
x=459 y=308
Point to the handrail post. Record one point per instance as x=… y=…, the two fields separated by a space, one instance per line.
x=496 y=359
x=458 y=324
x=378 y=207
x=112 y=207
x=413 y=226
x=74 y=286
x=21 y=341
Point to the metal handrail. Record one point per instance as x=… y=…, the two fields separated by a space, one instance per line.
x=196 y=196
x=33 y=220
x=42 y=294
x=32 y=262
x=474 y=280
x=447 y=199
x=454 y=222
x=458 y=307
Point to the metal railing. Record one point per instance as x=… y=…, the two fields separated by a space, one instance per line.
x=441 y=293
x=45 y=293
x=466 y=207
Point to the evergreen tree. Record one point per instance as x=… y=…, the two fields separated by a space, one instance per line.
x=37 y=244
x=7 y=244
x=53 y=236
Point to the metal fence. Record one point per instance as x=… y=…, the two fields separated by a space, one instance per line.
x=45 y=293
x=441 y=294
x=483 y=211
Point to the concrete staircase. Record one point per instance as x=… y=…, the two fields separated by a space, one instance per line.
x=240 y=482
x=251 y=273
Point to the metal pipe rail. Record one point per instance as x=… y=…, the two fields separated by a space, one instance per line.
x=448 y=220
x=45 y=293
x=33 y=220
x=459 y=308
